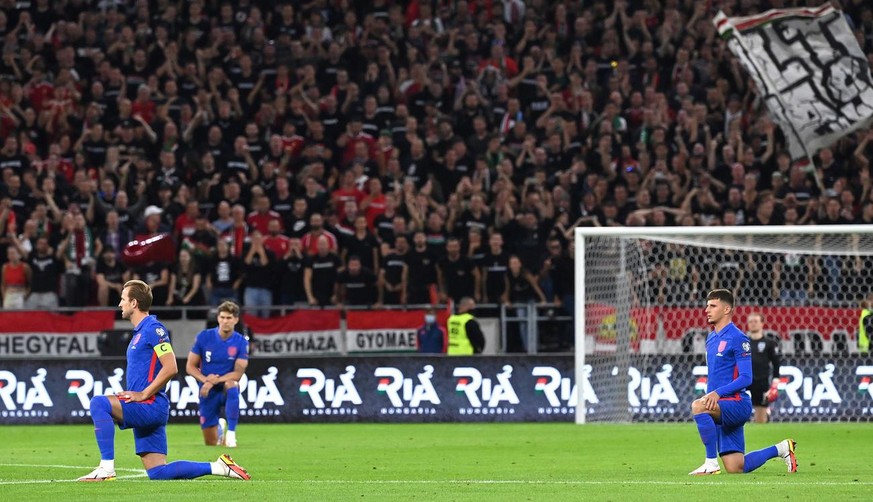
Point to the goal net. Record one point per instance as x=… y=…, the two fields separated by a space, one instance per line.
x=640 y=328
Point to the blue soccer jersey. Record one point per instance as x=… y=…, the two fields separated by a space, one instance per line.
x=729 y=360
x=218 y=356
x=150 y=341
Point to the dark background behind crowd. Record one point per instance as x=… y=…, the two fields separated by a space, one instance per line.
x=385 y=152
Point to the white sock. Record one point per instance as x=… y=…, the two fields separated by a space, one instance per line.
x=109 y=465
x=782 y=448
x=230 y=436
x=711 y=462
x=219 y=469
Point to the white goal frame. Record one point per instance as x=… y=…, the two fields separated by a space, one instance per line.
x=581 y=233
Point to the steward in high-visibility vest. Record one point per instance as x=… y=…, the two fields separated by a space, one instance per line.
x=865 y=327
x=465 y=335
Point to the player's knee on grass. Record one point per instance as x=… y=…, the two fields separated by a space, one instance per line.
x=733 y=463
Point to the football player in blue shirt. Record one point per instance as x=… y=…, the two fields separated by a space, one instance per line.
x=144 y=406
x=218 y=360
x=722 y=412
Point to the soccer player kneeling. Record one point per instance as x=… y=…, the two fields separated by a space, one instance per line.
x=218 y=360
x=722 y=412
x=144 y=407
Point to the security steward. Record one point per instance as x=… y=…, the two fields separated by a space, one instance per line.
x=465 y=335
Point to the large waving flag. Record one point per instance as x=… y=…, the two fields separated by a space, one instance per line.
x=809 y=70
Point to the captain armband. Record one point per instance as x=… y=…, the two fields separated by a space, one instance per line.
x=164 y=348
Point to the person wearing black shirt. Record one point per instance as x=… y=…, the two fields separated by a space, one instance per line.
x=493 y=268
x=362 y=244
x=225 y=275
x=157 y=275
x=422 y=267
x=291 y=289
x=46 y=272
x=457 y=275
x=260 y=275
x=320 y=274
x=357 y=284
x=521 y=288
x=394 y=274
x=765 y=367
x=111 y=276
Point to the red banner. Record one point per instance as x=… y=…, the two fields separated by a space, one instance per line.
x=45 y=334
x=678 y=321
x=300 y=332
x=48 y=322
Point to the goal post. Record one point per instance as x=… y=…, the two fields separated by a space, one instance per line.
x=640 y=293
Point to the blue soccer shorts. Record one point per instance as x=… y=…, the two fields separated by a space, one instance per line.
x=149 y=423
x=734 y=415
x=211 y=406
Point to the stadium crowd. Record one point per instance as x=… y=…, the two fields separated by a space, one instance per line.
x=387 y=152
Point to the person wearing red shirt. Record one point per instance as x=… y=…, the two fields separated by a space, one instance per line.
x=275 y=240
x=260 y=218
x=186 y=223
x=374 y=203
x=349 y=140
x=347 y=191
x=316 y=230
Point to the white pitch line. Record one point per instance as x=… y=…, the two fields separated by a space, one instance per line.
x=53 y=466
x=130 y=479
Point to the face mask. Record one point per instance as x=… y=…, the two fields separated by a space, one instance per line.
x=429 y=319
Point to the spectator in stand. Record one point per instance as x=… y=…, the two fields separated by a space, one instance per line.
x=77 y=250
x=259 y=268
x=394 y=274
x=635 y=102
x=186 y=283
x=291 y=267
x=320 y=273
x=356 y=285
x=316 y=231
x=46 y=271
x=16 y=280
x=111 y=275
x=457 y=275
x=224 y=277
x=493 y=268
x=259 y=219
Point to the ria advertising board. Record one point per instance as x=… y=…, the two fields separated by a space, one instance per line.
x=442 y=389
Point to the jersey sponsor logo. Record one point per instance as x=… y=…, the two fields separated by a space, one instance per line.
x=406 y=396
x=484 y=396
x=21 y=399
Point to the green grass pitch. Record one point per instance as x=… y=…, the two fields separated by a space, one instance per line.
x=445 y=462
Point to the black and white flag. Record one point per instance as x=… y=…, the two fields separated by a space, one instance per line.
x=808 y=68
